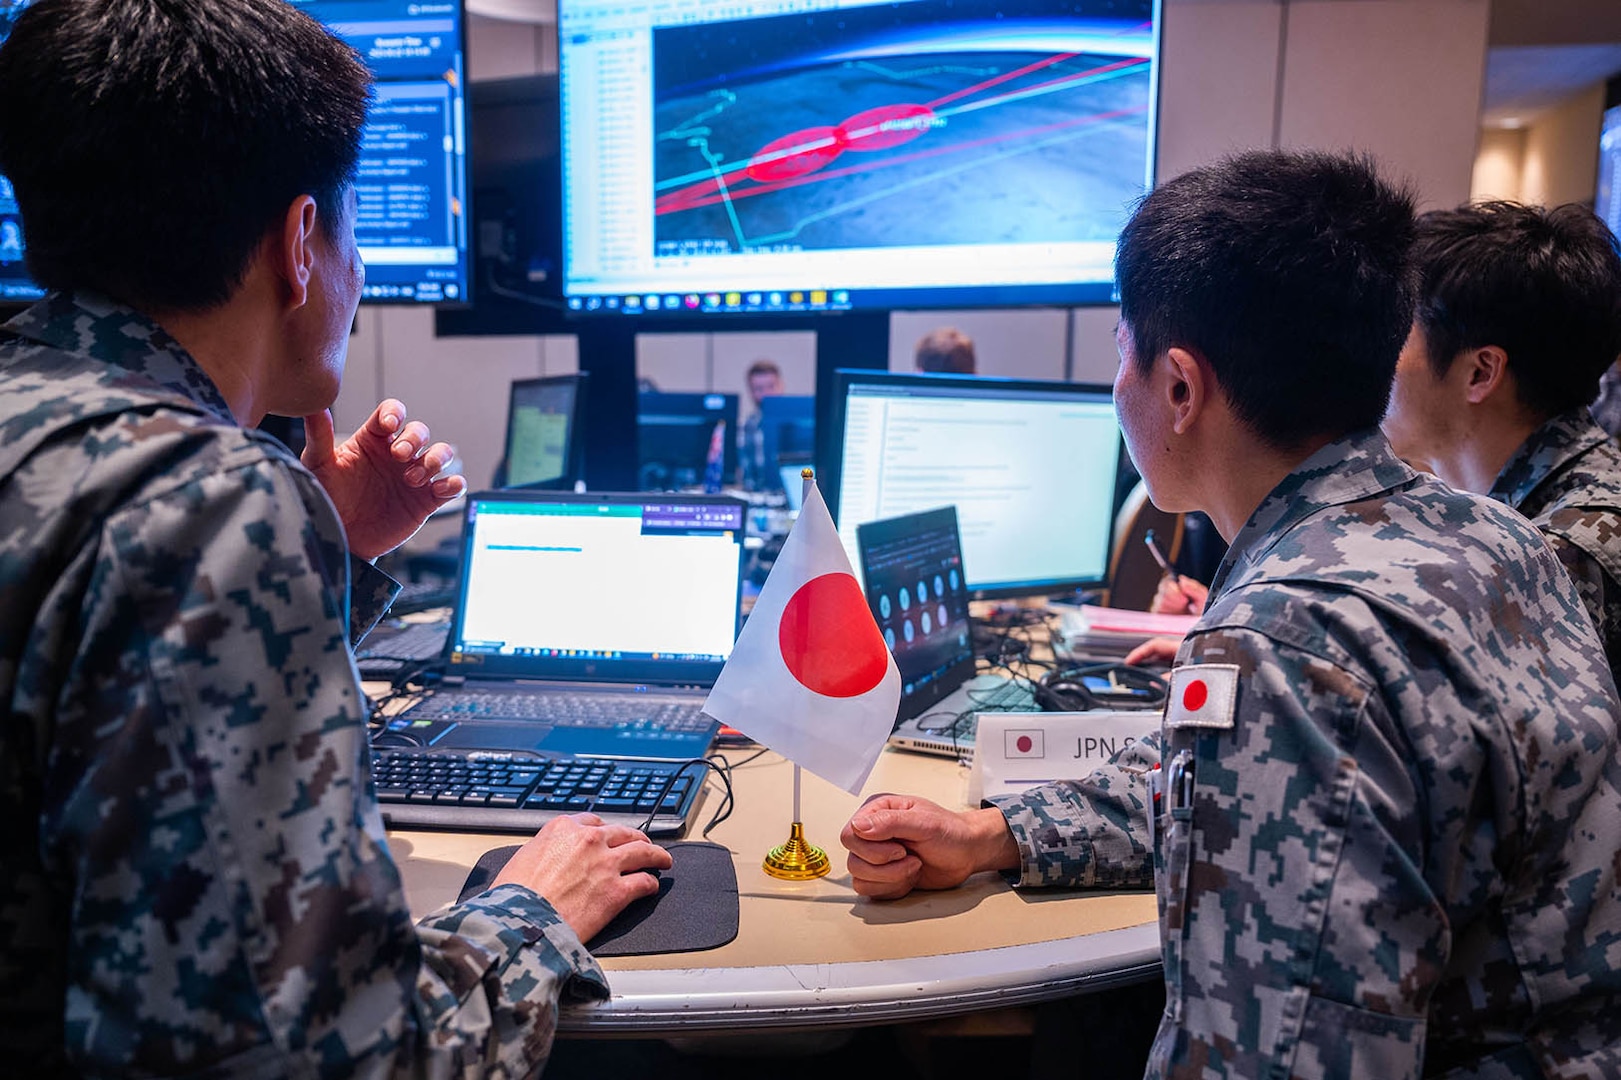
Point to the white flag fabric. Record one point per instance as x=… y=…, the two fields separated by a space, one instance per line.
x=810 y=675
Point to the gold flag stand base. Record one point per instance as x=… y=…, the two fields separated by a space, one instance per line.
x=797 y=860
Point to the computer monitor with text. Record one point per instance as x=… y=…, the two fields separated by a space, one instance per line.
x=16 y=287
x=1029 y=465
x=412 y=184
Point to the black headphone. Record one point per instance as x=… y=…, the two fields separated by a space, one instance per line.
x=1066 y=690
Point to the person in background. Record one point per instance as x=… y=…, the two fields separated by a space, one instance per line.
x=946 y=350
x=1383 y=808
x=194 y=876
x=1519 y=318
x=764 y=380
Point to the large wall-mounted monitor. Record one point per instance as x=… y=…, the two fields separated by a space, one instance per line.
x=412 y=187
x=816 y=155
x=16 y=287
x=1029 y=465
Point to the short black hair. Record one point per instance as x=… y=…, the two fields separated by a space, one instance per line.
x=153 y=143
x=1287 y=271
x=1542 y=285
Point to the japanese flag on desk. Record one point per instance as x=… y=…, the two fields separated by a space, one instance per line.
x=810 y=675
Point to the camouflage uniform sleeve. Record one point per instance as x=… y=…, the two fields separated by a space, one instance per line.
x=239 y=907
x=1092 y=833
x=1299 y=935
x=1600 y=594
x=371 y=591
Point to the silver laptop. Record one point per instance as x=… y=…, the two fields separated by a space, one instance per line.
x=912 y=571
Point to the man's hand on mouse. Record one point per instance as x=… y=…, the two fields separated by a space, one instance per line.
x=587 y=870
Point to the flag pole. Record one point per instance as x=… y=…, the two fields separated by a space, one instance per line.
x=798 y=859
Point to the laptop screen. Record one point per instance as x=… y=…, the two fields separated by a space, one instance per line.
x=913 y=573
x=608 y=587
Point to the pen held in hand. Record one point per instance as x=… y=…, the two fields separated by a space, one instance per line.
x=1165 y=565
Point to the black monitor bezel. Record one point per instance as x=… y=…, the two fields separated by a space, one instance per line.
x=830 y=453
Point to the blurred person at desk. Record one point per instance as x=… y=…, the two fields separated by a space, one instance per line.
x=196 y=877
x=1383 y=808
x=1519 y=318
x=764 y=379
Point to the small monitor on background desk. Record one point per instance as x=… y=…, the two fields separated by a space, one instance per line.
x=685 y=441
x=1029 y=465
x=545 y=439
x=787 y=433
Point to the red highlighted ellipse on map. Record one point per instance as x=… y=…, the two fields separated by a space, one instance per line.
x=795 y=154
x=885 y=126
x=809 y=149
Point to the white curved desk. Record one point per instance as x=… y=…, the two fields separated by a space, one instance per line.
x=813 y=954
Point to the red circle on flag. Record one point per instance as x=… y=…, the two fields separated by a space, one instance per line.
x=1024 y=744
x=1194 y=697
x=828 y=638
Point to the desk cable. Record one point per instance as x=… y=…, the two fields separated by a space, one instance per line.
x=718 y=764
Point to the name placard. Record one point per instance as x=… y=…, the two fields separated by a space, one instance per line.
x=1014 y=751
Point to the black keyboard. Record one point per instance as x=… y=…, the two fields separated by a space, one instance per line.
x=521 y=792
x=392 y=646
x=564 y=709
x=423 y=596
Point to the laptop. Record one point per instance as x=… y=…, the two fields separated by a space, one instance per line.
x=585 y=626
x=912 y=568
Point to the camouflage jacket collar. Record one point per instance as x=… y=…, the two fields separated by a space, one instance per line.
x=91 y=326
x=1356 y=467
x=1545 y=454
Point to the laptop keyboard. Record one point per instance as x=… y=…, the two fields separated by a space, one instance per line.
x=563 y=709
x=1013 y=695
x=520 y=793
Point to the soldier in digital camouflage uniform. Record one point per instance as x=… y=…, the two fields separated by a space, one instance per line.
x=1386 y=794
x=194 y=877
x=1519 y=318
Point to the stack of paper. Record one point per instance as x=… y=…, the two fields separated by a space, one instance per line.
x=1100 y=631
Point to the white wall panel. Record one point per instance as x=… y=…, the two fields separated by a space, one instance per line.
x=1016 y=344
x=793 y=351
x=677 y=363
x=1399 y=78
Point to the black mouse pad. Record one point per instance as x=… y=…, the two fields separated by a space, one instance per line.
x=694 y=909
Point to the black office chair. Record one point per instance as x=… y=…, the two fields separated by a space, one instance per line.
x=1134 y=574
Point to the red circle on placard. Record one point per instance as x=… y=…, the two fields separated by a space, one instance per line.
x=1024 y=744
x=828 y=638
x=1196 y=694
